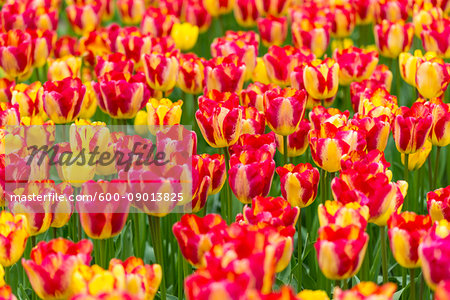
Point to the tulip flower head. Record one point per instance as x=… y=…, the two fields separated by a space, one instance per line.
x=334 y=212
x=341 y=250
x=438 y=204
x=393 y=38
x=13 y=237
x=406 y=231
x=15 y=53
x=367 y=290
x=355 y=64
x=299 y=184
x=432 y=76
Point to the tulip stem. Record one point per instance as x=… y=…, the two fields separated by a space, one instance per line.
x=436 y=168
x=406 y=177
x=155 y=231
x=285 y=149
x=103 y=253
x=412 y=280
x=229 y=206
x=299 y=253
x=384 y=266
x=430 y=176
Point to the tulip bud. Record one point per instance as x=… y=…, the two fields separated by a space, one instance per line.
x=63 y=99
x=131 y=11
x=13 y=238
x=83 y=18
x=185 y=35
x=341 y=250
x=16 y=53
x=297 y=142
x=246 y=13
x=367 y=290
x=284 y=109
x=334 y=212
x=393 y=38
x=432 y=77
x=438 y=204
x=161 y=70
x=225 y=74
x=191 y=74
x=299 y=184
x=251 y=174
x=273 y=30
x=355 y=64
x=314 y=36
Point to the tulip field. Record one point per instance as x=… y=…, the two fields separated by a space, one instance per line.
x=225 y=149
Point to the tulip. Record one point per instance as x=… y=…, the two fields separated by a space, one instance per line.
x=378 y=102
x=443 y=290
x=393 y=38
x=13 y=237
x=161 y=70
x=251 y=174
x=247 y=51
x=149 y=274
x=321 y=78
x=417 y=159
x=83 y=18
x=113 y=62
x=272 y=212
x=9 y=114
x=253 y=95
x=432 y=253
x=196 y=236
x=364 y=11
x=92 y=45
x=62 y=210
x=225 y=74
x=102 y=220
x=263 y=142
x=377 y=130
x=368 y=185
x=216 y=8
x=16 y=53
x=320 y=115
x=37 y=214
x=272 y=7
x=408 y=65
x=341 y=250
x=391 y=11
x=131 y=11
x=284 y=109
x=297 y=142
x=273 y=30
x=220 y=123
x=185 y=35
x=121 y=95
x=133 y=46
x=355 y=64
x=42 y=44
x=6 y=293
x=196 y=14
x=312 y=35
x=438 y=204
x=157 y=22
x=432 y=77
x=367 y=290
x=260 y=72
x=163 y=113
x=435 y=37
x=299 y=184
x=68 y=66
x=425 y=16
x=334 y=212
x=246 y=13
x=5 y=89
x=330 y=143
x=52 y=264
x=342 y=17
x=411 y=127
x=440 y=129
x=312 y=295
x=253 y=121
x=280 y=62
x=406 y=232
x=63 y=99
x=191 y=74
x=214 y=167
x=66 y=46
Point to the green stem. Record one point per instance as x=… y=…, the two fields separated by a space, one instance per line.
x=436 y=168
x=345 y=284
x=54 y=232
x=136 y=235
x=155 y=228
x=412 y=280
x=285 y=148
x=384 y=265
x=299 y=253
x=422 y=285
x=404 y=275
x=6 y=277
x=229 y=206
x=406 y=177
x=103 y=253
x=430 y=176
